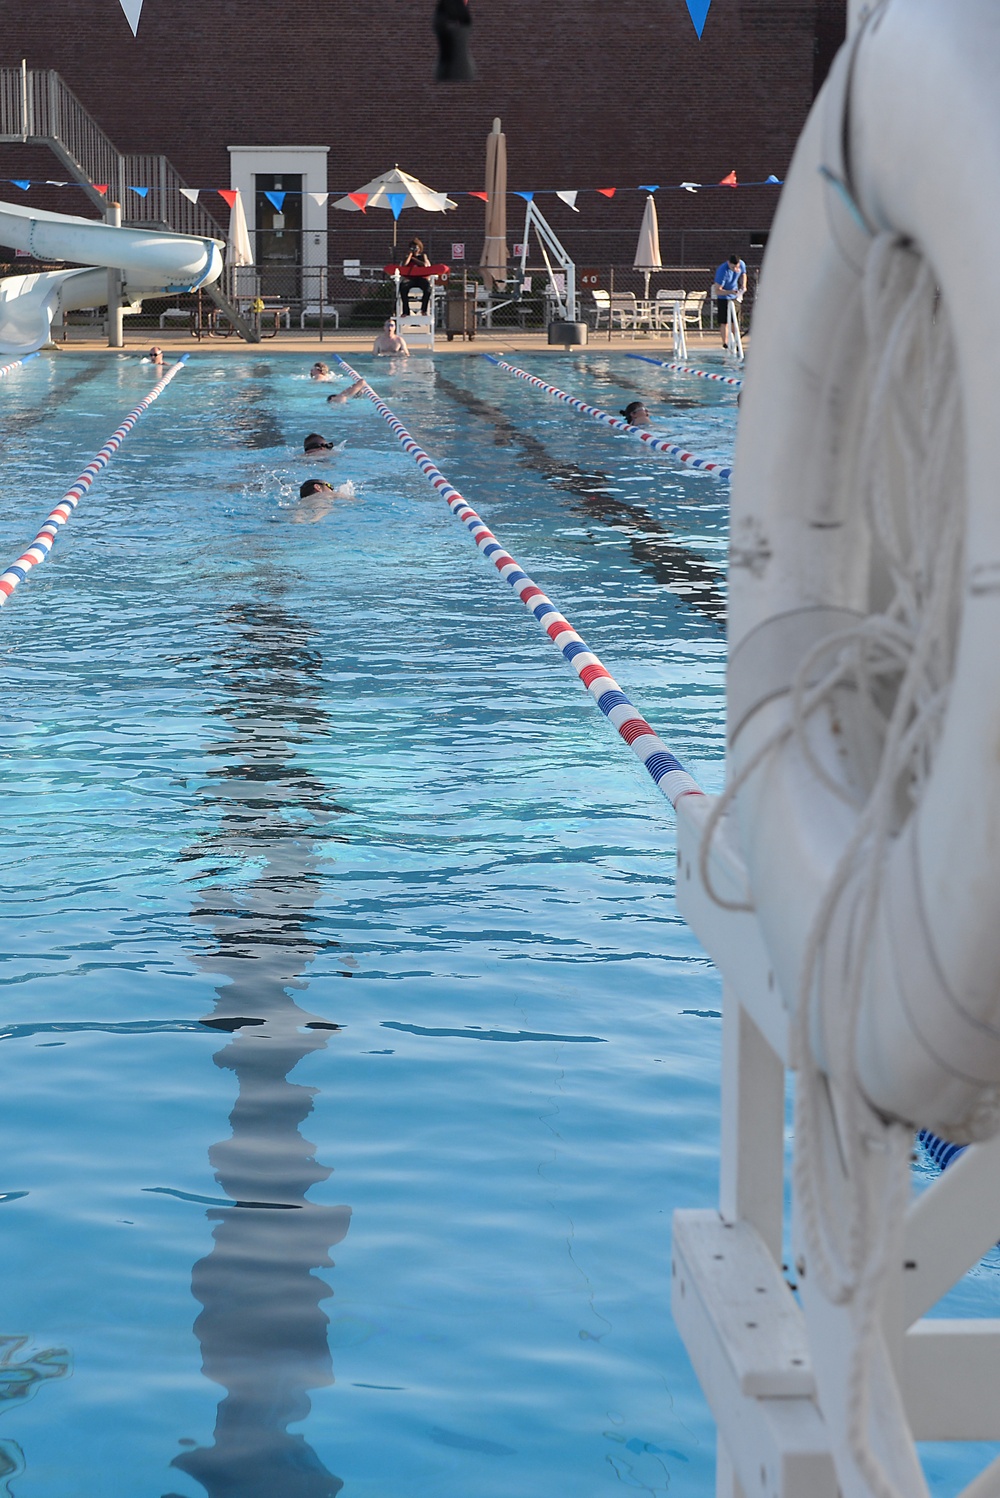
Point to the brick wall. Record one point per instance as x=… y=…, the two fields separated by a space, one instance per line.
x=591 y=94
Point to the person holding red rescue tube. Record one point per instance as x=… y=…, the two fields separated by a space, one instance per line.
x=416 y=255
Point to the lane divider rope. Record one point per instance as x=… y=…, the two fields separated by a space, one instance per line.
x=667 y=771
x=6 y=369
x=658 y=444
x=45 y=540
x=689 y=369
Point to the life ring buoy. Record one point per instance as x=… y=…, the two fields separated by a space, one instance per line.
x=812 y=579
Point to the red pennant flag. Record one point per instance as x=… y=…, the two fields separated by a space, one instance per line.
x=607 y=192
x=729 y=180
x=361 y=198
x=101 y=187
x=228 y=194
x=484 y=195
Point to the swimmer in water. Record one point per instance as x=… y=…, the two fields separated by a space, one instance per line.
x=351 y=393
x=155 y=355
x=320 y=371
x=636 y=415
x=388 y=341
x=314 y=443
x=316 y=499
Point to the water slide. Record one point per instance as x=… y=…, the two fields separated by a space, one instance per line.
x=152 y=263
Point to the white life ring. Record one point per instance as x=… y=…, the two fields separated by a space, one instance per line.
x=902 y=151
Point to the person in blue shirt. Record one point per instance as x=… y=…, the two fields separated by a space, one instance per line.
x=729 y=286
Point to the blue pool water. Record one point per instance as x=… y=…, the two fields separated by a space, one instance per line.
x=376 y=1054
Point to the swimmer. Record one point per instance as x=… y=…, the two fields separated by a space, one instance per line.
x=352 y=393
x=389 y=341
x=636 y=415
x=316 y=499
x=155 y=355
x=320 y=371
x=314 y=443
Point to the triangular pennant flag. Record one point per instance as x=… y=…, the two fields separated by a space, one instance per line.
x=729 y=180
x=191 y=193
x=569 y=198
x=361 y=198
x=484 y=195
x=101 y=187
x=649 y=189
x=773 y=179
x=698 y=11
x=607 y=192
x=141 y=192
x=395 y=201
x=276 y=198
x=49 y=183
x=19 y=182
x=529 y=197
x=228 y=195
x=133 y=10
x=319 y=198
x=690 y=186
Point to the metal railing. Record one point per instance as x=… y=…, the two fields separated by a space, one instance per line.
x=37 y=108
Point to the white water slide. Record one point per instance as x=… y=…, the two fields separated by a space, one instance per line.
x=152 y=263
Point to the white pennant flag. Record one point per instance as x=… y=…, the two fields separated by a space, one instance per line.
x=690 y=186
x=569 y=198
x=191 y=193
x=319 y=198
x=133 y=10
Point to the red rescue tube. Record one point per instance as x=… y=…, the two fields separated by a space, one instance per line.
x=417 y=271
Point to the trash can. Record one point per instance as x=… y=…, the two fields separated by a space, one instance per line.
x=567 y=332
x=460 y=316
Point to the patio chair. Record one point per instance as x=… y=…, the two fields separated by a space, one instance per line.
x=624 y=309
x=694 y=308
x=601 y=307
x=663 y=312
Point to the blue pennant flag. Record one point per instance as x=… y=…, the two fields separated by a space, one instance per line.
x=775 y=180
x=698 y=11
x=649 y=189
x=277 y=198
x=395 y=201
x=140 y=191
x=22 y=185
x=529 y=197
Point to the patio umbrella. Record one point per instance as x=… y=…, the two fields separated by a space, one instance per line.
x=395 y=190
x=494 y=256
x=240 y=248
x=647 y=251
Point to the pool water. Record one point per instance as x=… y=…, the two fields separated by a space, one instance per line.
x=383 y=1054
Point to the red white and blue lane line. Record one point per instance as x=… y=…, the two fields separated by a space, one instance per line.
x=45 y=540
x=667 y=771
x=6 y=369
x=658 y=444
x=689 y=369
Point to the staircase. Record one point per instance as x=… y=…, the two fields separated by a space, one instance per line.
x=38 y=109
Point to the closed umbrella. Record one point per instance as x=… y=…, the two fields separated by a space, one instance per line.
x=494 y=256
x=239 y=248
x=647 y=251
x=395 y=190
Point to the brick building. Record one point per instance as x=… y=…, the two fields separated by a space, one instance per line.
x=321 y=96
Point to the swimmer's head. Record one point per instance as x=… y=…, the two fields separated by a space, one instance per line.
x=635 y=414
x=314 y=443
x=155 y=353
x=319 y=369
x=314 y=486
x=390 y=325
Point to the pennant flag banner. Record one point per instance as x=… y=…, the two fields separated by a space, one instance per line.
x=361 y=198
x=319 y=198
x=141 y=192
x=228 y=195
x=18 y=182
x=102 y=188
x=395 y=201
x=649 y=189
x=529 y=197
x=133 y=10
x=729 y=180
x=776 y=181
x=191 y=193
x=569 y=198
x=484 y=195
x=607 y=192
x=276 y=198
x=697 y=10
x=690 y=186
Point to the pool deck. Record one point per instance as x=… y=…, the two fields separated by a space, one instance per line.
x=359 y=341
